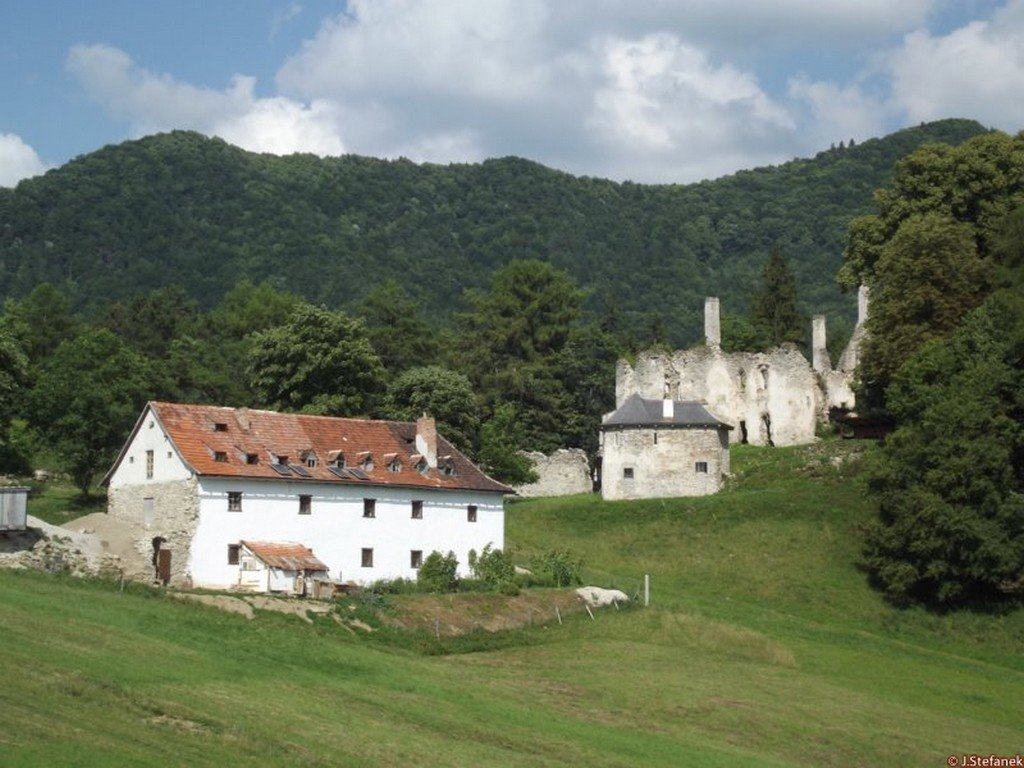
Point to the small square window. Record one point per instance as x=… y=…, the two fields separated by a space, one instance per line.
x=234 y=501
x=701 y=467
x=367 y=559
x=369 y=507
x=169 y=455
x=415 y=558
x=627 y=473
x=417 y=510
x=471 y=513
x=252 y=458
x=220 y=456
x=233 y=550
x=305 y=504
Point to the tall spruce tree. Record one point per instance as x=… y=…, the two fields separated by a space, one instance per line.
x=774 y=306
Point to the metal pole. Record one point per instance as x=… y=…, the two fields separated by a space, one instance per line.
x=647 y=589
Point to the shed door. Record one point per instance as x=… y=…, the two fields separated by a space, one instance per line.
x=163 y=566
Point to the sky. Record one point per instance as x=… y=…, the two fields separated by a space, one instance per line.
x=648 y=91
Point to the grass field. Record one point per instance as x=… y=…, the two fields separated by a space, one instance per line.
x=764 y=646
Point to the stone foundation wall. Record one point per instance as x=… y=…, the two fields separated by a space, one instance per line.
x=562 y=473
x=174 y=517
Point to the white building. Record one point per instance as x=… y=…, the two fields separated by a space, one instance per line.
x=662 y=448
x=206 y=489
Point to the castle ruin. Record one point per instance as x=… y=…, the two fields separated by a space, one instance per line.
x=774 y=397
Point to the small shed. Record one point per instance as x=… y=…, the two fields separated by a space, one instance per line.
x=269 y=566
x=13 y=508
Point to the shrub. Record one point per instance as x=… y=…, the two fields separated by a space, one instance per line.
x=439 y=572
x=557 y=567
x=492 y=566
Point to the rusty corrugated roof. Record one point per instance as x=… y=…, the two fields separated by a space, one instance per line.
x=195 y=432
x=288 y=556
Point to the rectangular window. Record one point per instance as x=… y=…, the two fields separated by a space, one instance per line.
x=369 y=507
x=234 y=501
x=220 y=426
x=627 y=473
x=220 y=456
x=147 y=511
x=702 y=467
x=233 y=553
x=471 y=513
x=305 y=505
x=416 y=558
x=149 y=465
x=367 y=558
x=417 y=510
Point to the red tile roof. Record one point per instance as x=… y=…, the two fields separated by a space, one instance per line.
x=286 y=555
x=267 y=433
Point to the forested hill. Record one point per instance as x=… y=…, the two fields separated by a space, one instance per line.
x=183 y=208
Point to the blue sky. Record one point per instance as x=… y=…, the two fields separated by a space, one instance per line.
x=653 y=91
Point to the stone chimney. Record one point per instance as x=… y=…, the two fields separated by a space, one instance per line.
x=819 y=346
x=862 y=304
x=426 y=439
x=668 y=408
x=712 y=323
x=243 y=418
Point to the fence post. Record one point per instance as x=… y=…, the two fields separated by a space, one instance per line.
x=647 y=589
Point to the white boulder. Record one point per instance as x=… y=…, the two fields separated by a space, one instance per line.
x=598 y=597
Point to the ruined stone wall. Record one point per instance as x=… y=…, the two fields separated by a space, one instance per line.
x=767 y=397
x=562 y=473
x=663 y=462
x=173 y=515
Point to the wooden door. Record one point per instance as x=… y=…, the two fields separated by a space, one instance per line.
x=163 y=566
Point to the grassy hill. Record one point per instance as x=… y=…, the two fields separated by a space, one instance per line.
x=182 y=208
x=764 y=646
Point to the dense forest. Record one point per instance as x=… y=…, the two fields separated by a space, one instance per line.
x=183 y=209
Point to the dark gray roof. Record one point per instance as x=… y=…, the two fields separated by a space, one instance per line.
x=638 y=411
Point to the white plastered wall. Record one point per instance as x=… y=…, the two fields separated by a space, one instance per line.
x=336 y=530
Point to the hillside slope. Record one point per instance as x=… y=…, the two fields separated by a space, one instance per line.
x=183 y=208
x=763 y=646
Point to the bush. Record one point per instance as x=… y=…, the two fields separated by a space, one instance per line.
x=557 y=567
x=439 y=573
x=492 y=566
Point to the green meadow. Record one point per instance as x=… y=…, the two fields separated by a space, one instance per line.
x=763 y=645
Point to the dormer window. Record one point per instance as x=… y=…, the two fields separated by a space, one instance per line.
x=422 y=466
x=309 y=459
x=448 y=470
x=220 y=456
x=394 y=463
x=252 y=458
x=220 y=426
x=340 y=461
x=365 y=460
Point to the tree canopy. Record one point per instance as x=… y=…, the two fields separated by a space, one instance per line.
x=319 y=362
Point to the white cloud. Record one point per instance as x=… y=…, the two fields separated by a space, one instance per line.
x=669 y=105
x=17 y=160
x=154 y=102
x=661 y=90
x=838 y=113
x=974 y=71
x=489 y=49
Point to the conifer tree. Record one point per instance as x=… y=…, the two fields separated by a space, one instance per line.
x=774 y=307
